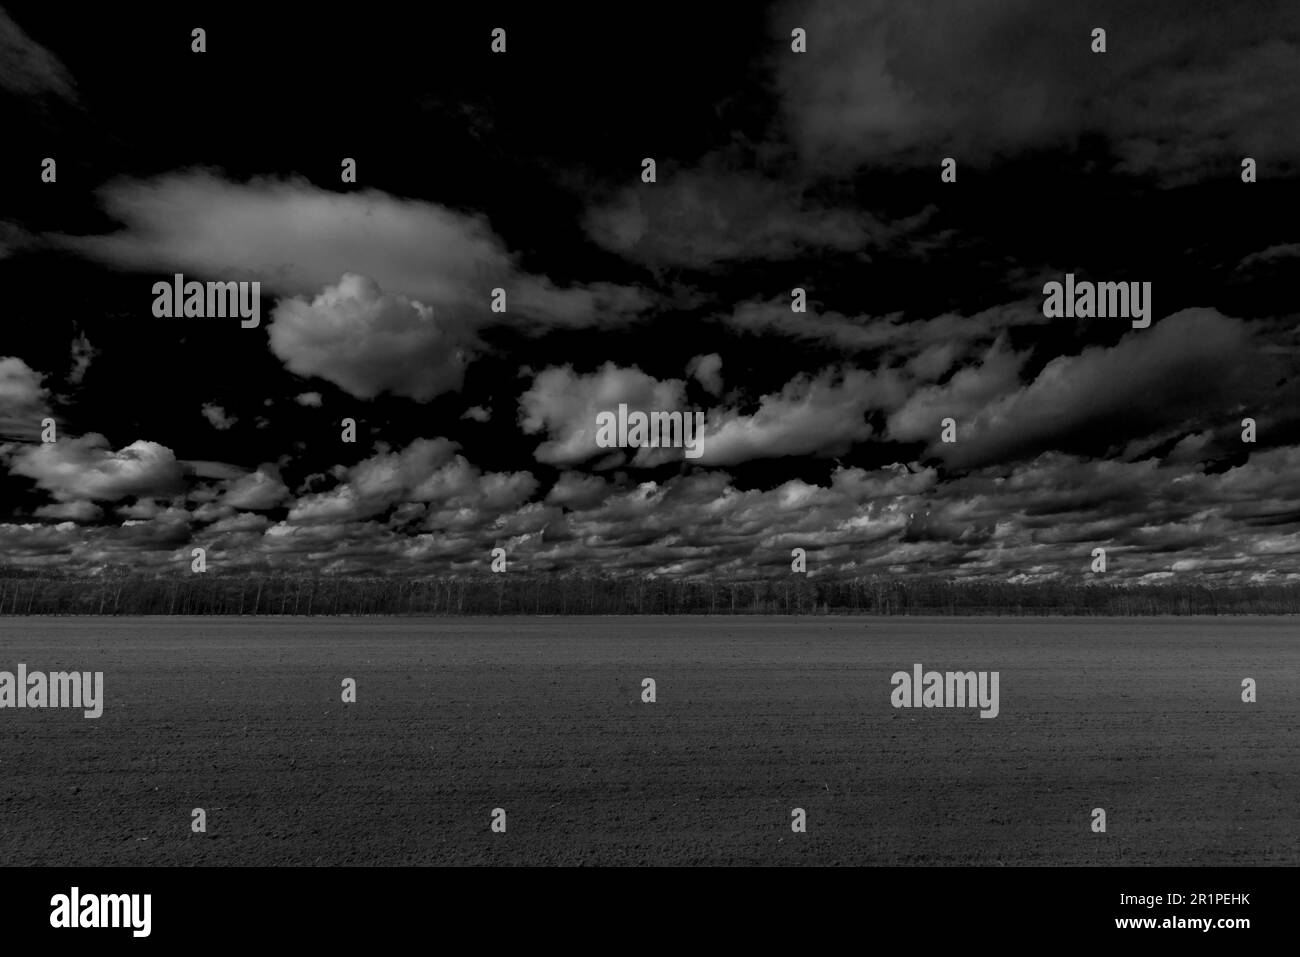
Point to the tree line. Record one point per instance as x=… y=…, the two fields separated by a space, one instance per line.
x=25 y=592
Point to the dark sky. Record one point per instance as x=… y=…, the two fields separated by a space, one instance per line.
x=775 y=170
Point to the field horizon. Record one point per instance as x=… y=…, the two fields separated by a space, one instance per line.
x=118 y=593
x=754 y=716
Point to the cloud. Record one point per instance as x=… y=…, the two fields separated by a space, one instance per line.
x=427 y=471
x=426 y=509
x=909 y=83
x=960 y=398
x=707 y=371
x=310 y=399
x=82 y=354
x=823 y=416
x=700 y=523
x=257 y=491
x=892 y=334
x=30 y=69
x=144 y=510
x=75 y=511
x=713 y=214
x=217 y=417
x=296 y=239
x=1273 y=254
x=564 y=404
x=477 y=413
x=13 y=238
x=86 y=468
x=578 y=491
x=237 y=523
x=213 y=470
x=1151 y=378
x=367 y=341
x=24 y=402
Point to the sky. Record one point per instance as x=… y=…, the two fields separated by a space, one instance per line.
x=774 y=170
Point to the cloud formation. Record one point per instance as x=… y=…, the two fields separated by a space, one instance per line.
x=563 y=405
x=1152 y=379
x=217 y=417
x=712 y=214
x=30 y=69
x=707 y=371
x=86 y=468
x=296 y=239
x=822 y=415
x=24 y=402
x=367 y=341
x=1179 y=93
x=257 y=491
x=428 y=472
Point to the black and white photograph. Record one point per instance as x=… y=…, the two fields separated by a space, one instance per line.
x=827 y=433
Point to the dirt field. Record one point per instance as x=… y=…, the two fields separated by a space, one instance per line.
x=544 y=718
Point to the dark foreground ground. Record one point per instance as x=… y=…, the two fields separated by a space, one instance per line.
x=755 y=716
